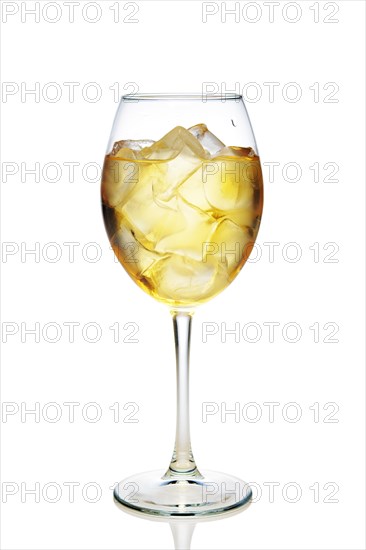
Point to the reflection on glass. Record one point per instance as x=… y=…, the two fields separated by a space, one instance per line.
x=182 y=527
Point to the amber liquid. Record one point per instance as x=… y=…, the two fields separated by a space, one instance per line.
x=182 y=213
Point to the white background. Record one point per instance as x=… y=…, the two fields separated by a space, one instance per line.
x=171 y=49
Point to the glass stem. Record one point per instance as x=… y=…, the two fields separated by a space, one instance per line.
x=182 y=461
x=182 y=534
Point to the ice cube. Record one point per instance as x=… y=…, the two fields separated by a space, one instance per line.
x=125 y=154
x=120 y=147
x=178 y=155
x=119 y=178
x=243 y=217
x=179 y=279
x=226 y=185
x=228 y=244
x=209 y=141
x=223 y=188
x=190 y=240
x=237 y=152
x=145 y=215
x=134 y=256
x=174 y=142
x=193 y=192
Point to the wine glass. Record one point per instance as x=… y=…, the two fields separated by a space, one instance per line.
x=182 y=198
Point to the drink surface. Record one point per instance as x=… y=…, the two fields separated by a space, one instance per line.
x=182 y=213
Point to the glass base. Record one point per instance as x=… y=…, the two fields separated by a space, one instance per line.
x=197 y=494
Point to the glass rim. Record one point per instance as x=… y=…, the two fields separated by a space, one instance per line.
x=181 y=97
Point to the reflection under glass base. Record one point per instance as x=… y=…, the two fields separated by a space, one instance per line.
x=195 y=494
